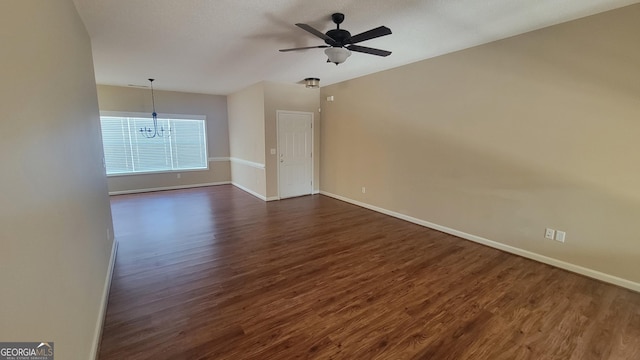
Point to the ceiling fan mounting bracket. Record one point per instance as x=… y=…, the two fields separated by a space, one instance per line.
x=337 y=18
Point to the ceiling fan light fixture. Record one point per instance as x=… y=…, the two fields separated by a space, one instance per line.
x=312 y=83
x=337 y=55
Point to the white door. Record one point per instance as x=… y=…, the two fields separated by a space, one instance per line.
x=295 y=144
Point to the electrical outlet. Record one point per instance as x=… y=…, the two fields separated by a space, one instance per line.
x=179 y=175
x=364 y=189
x=549 y=233
x=560 y=235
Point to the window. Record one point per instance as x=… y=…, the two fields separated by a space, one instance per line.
x=127 y=151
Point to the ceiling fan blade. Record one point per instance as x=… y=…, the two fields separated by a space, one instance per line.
x=305 y=48
x=317 y=33
x=368 y=50
x=371 y=34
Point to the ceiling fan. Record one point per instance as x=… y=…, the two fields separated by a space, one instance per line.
x=340 y=43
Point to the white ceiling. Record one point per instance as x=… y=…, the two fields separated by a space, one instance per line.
x=222 y=46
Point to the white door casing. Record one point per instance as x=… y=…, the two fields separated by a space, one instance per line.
x=295 y=157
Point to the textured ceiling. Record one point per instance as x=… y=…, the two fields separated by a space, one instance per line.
x=222 y=46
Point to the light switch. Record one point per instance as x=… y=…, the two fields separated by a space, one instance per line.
x=273 y=151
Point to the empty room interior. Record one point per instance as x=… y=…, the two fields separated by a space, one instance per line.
x=321 y=180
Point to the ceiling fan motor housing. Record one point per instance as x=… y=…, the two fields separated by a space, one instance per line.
x=340 y=36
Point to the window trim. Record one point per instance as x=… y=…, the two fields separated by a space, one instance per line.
x=160 y=115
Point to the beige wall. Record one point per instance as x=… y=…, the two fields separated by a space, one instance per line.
x=293 y=97
x=214 y=107
x=246 y=138
x=55 y=220
x=505 y=139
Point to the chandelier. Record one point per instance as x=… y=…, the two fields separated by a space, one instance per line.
x=150 y=133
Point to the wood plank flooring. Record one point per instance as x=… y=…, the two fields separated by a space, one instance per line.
x=214 y=273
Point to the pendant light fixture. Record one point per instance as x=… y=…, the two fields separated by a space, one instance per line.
x=151 y=133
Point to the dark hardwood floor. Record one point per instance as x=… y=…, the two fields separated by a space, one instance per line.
x=214 y=273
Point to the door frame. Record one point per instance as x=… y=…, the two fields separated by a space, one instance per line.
x=278 y=112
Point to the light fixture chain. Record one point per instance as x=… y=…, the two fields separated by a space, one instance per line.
x=153 y=100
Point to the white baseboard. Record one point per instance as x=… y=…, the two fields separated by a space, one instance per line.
x=500 y=246
x=259 y=196
x=105 y=299
x=178 y=187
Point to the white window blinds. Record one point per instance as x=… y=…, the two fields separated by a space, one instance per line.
x=127 y=151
